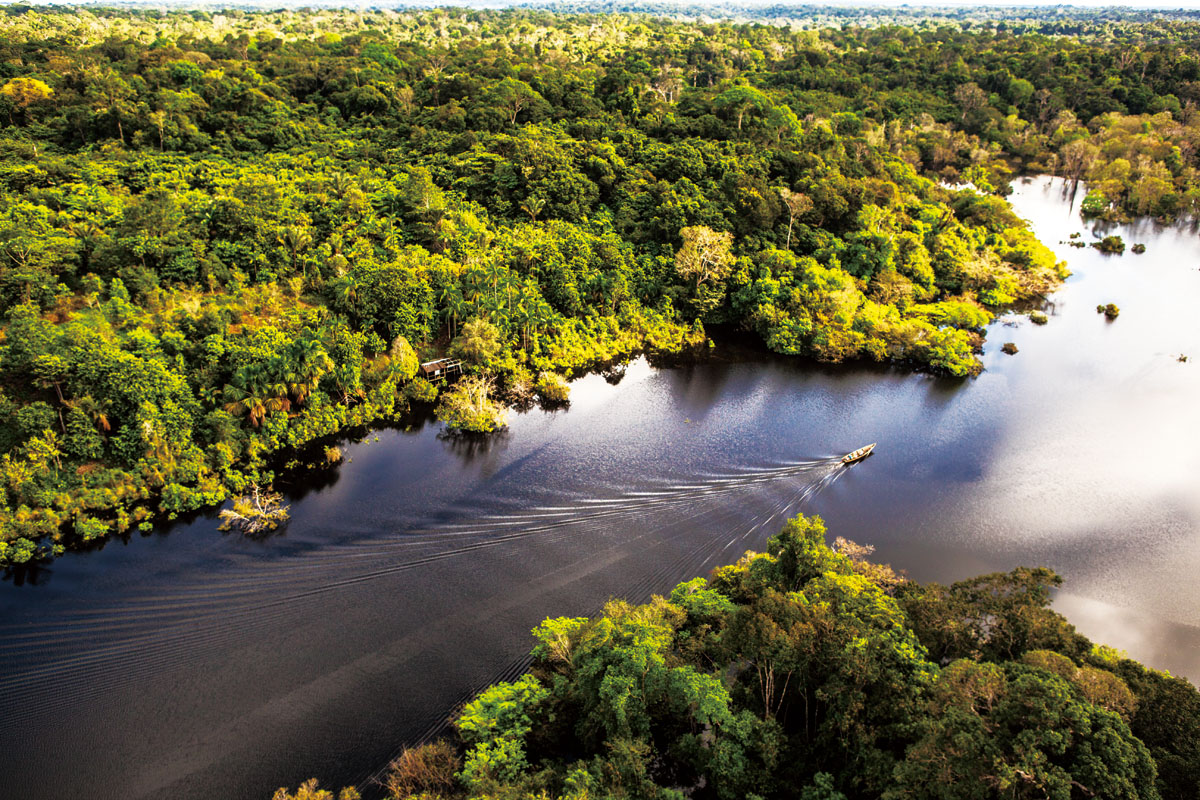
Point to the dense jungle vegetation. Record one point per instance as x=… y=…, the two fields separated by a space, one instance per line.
x=810 y=672
x=225 y=235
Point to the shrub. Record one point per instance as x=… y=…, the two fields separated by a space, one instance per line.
x=310 y=790
x=1094 y=204
x=430 y=768
x=1110 y=244
x=89 y=528
x=1139 y=248
x=1111 y=311
x=479 y=343
x=1010 y=348
x=1038 y=318
x=419 y=390
x=552 y=388
x=469 y=407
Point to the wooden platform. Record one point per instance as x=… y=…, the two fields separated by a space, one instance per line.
x=441 y=369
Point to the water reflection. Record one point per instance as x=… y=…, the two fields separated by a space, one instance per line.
x=477 y=447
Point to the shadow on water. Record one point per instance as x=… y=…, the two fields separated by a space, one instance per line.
x=470 y=447
x=32 y=574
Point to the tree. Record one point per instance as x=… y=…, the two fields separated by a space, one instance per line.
x=1077 y=158
x=741 y=100
x=309 y=790
x=479 y=344
x=468 y=407
x=295 y=240
x=255 y=512
x=112 y=95
x=1012 y=731
x=704 y=255
x=21 y=93
x=513 y=96
x=970 y=98
x=798 y=204
x=994 y=617
x=429 y=769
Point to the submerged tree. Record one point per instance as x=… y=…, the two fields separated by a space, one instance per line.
x=256 y=512
x=468 y=407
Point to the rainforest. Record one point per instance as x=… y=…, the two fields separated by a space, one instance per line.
x=232 y=237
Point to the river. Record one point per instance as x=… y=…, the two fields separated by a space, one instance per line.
x=187 y=663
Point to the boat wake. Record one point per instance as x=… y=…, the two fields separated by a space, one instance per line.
x=630 y=544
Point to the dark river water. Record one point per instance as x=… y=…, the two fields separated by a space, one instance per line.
x=194 y=664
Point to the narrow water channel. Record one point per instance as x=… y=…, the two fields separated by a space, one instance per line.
x=194 y=664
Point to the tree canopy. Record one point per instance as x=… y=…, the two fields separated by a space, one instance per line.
x=218 y=228
x=808 y=671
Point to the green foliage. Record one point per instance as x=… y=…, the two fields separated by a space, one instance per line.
x=1167 y=720
x=552 y=387
x=494 y=726
x=1094 y=205
x=993 y=617
x=206 y=253
x=796 y=673
x=420 y=390
x=469 y=408
x=479 y=344
x=995 y=731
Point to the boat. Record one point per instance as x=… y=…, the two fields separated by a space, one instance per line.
x=859 y=454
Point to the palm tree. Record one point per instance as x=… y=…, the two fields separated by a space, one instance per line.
x=345 y=290
x=473 y=276
x=533 y=206
x=483 y=240
x=87 y=232
x=95 y=409
x=294 y=239
x=523 y=316
x=494 y=271
x=450 y=298
x=309 y=361
x=460 y=308
x=511 y=282
x=543 y=314
x=340 y=183
x=256 y=393
x=245 y=401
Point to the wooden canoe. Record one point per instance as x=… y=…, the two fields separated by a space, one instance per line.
x=858 y=454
